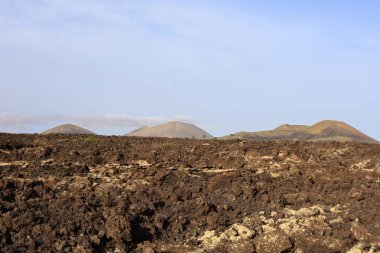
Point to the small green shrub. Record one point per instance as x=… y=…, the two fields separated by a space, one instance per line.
x=169 y=145
x=90 y=138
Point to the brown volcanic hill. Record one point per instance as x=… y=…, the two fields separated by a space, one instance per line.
x=173 y=129
x=67 y=129
x=136 y=130
x=326 y=130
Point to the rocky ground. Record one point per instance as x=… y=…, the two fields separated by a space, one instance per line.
x=125 y=194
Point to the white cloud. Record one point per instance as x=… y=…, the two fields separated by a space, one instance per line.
x=15 y=121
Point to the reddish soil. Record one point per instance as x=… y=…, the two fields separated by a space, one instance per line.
x=129 y=194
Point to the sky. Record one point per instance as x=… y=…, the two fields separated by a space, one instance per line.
x=226 y=66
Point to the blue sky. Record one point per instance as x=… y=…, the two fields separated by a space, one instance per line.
x=227 y=66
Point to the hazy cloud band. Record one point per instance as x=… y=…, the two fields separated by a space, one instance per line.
x=10 y=120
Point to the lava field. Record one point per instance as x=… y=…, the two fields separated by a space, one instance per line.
x=129 y=194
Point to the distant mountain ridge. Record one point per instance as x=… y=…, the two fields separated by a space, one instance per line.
x=67 y=129
x=173 y=129
x=326 y=130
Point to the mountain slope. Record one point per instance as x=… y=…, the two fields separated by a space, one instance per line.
x=67 y=129
x=326 y=130
x=173 y=129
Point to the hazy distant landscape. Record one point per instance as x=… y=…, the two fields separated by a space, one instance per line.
x=327 y=130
